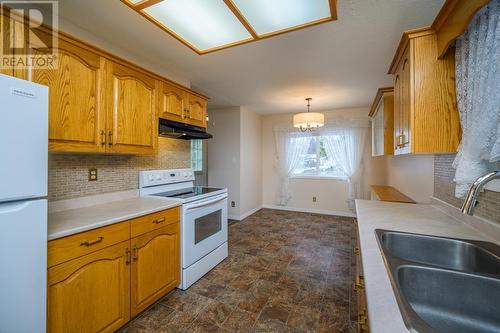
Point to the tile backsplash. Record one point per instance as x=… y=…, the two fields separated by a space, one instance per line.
x=68 y=173
x=444 y=189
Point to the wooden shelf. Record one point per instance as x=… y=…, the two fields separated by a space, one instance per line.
x=389 y=193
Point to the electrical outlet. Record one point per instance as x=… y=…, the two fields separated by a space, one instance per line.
x=233 y=204
x=92 y=175
x=314 y=199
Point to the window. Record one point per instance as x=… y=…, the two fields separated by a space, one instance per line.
x=315 y=161
x=197 y=155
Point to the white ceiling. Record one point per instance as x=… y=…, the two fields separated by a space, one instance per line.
x=339 y=64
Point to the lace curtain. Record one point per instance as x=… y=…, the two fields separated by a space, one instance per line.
x=345 y=140
x=478 y=96
x=290 y=147
x=347 y=146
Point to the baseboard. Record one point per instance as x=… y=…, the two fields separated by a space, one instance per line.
x=250 y=212
x=309 y=210
x=244 y=215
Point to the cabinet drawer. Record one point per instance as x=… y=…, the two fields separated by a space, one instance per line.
x=154 y=221
x=67 y=248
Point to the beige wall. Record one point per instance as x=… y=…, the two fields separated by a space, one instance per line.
x=235 y=158
x=412 y=175
x=250 y=162
x=68 y=173
x=224 y=154
x=331 y=194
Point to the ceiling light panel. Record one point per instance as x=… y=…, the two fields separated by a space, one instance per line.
x=268 y=16
x=204 y=24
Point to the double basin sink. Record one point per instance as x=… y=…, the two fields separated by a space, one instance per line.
x=443 y=285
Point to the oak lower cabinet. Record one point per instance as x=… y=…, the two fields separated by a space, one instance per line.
x=155 y=266
x=131 y=110
x=426 y=118
x=99 y=279
x=90 y=293
x=359 y=290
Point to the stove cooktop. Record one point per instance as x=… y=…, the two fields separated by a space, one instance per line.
x=188 y=192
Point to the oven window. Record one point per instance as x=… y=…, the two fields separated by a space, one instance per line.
x=207 y=226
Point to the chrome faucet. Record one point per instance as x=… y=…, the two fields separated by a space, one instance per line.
x=471 y=199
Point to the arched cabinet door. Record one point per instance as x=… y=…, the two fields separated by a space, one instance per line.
x=90 y=293
x=173 y=103
x=155 y=266
x=76 y=98
x=132 y=110
x=197 y=111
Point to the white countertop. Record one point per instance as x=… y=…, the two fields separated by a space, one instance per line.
x=72 y=221
x=383 y=311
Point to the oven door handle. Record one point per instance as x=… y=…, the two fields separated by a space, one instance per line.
x=205 y=203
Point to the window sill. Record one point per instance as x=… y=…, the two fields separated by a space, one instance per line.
x=344 y=179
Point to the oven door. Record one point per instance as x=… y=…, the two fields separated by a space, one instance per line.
x=204 y=228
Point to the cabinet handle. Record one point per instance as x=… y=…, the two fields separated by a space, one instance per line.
x=127 y=254
x=362 y=321
x=160 y=220
x=110 y=135
x=360 y=283
x=356 y=250
x=103 y=138
x=188 y=111
x=136 y=250
x=92 y=242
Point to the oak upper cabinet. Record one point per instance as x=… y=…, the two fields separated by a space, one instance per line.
x=426 y=118
x=382 y=114
x=197 y=111
x=173 y=102
x=76 y=99
x=12 y=30
x=90 y=293
x=155 y=266
x=131 y=110
x=7 y=34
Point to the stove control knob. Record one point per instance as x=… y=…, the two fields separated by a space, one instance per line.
x=151 y=178
x=158 y=177
x=190 y=174
x=185 y=174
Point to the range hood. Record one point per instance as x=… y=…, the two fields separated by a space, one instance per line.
x=176 y=130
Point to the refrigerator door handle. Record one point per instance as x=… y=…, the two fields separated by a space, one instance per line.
x=10 y=207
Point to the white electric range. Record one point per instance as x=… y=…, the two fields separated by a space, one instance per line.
x=203 y=219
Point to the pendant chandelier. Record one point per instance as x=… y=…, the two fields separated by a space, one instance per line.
x=308 y=121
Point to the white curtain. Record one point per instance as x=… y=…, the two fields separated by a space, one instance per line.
x=478 y=96
x=290 y=149
x=347 y=145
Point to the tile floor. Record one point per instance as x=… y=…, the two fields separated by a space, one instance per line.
x=286 y=272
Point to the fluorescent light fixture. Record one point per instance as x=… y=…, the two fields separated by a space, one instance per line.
x=210 y=25
x=205 y=24
x=268 y=16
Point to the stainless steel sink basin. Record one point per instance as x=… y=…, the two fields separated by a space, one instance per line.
x=457 y=254
x=450 y=301
x=443 y=284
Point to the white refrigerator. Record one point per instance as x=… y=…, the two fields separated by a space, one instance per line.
x=23 y=205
